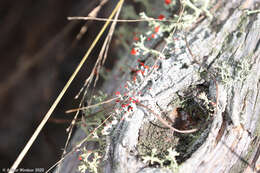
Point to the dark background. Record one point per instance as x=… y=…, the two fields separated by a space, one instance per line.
x=39 y=52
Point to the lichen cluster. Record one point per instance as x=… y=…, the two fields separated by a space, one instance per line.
x=163 y=28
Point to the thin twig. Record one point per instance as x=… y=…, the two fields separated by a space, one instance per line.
x=59 y=120
x=98 y=64
x=105 y=48
x=83 y=30
x=48 y=114
x=79 y=145
x=93 y=13
x=119 y=20
x=210 y=74
x=192 y=55
x=91 y=106
x=164 y=122
x=96 y=68
x=118 y=6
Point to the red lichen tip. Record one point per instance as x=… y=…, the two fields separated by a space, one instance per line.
x=133 y=51
x=167 y=2
x=146 y=67
x=161 y=17
x=118 y=93
x=130 y=108
x=134 y=78
x=136 y=38
x=156 y=29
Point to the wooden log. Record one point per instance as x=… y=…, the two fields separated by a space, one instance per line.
x=226 y=72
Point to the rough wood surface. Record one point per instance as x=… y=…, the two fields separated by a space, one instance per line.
x=228 y=47
x=232 y=37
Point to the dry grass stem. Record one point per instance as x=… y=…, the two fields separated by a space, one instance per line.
x=48 y=114
x=118 y=20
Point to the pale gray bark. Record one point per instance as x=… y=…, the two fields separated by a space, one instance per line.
x=233 y=37
x=228 y=143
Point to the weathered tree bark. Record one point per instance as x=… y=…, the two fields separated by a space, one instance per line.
x=226 y=47
x=232 y=38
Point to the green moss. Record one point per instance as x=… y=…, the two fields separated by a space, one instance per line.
x=153 y=135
